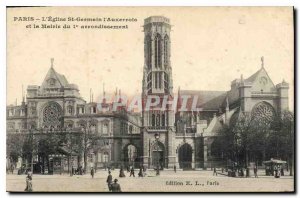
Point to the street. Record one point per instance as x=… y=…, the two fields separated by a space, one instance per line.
x=182 y=181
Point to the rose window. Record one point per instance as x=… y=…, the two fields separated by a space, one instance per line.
x=51 y=116
x=263 y=113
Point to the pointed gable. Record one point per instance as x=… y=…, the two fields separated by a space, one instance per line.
x=54 y=80
x=261 y=81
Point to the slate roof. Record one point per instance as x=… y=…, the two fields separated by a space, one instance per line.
x=253 y=76
x=203 y=96
x=214 y=100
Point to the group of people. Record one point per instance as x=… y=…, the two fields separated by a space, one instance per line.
x=78 y=171
x=112 y=186
x=240 y=172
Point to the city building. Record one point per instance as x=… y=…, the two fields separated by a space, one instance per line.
x=155 y=137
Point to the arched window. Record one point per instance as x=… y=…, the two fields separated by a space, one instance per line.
x=166 y=50
x=263 y=113
x=158 y=51
x=148 y=51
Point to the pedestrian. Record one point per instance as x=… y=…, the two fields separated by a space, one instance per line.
x=92 y=172
x=276 y=175
x=175 y=168
x=115 y=187
x=29 y=183
x=12 y=169
x=80 y=170
x=215 y=172
x=141 y=172
x=247 y=172
x=255 y=172
x=157 y=171
x=242 y=172
x=121 y=172
x=281 y=172
x=128 y=169
x=72 y=171
x=132 y=172
x=109 y=180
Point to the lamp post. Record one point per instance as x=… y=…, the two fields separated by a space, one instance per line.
x=157 y=166
x=33 y=149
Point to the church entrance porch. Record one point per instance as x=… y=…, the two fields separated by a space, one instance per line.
x=158 y=155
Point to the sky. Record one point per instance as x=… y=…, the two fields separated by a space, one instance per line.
x=210 y=47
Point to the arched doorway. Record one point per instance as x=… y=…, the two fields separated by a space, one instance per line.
x=158 y=155
x=185 y=156
x=131 y=155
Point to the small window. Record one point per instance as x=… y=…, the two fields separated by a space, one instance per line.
x=51 y=82
x=22 y=112
x=93 y=109
x=105 y=157
x=81 y=110
x=70 y=126
x=93 y=128
x=10 y=112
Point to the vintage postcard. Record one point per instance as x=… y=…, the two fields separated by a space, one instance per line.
x=150 y=99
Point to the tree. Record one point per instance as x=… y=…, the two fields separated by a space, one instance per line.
x=88 y=137
x=287 y=131
x=14 y=144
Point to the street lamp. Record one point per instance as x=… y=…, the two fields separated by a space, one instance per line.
x=157 y=166
x=130 y=156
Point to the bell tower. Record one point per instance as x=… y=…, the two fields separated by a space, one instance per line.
x=158 y=123
x=157 y=65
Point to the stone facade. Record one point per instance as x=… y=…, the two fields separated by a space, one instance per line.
x=155 y=137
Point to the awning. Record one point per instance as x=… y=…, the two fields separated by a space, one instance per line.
x=66 y=151
x=274 y=161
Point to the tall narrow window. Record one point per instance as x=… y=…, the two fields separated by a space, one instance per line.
x=166 y=50
x=157 y=120
x=153 y=120
x=158 y=51
x=163 y=120
x=149 y=51
x=156 y=80
x=159 y=80
x=105 y=128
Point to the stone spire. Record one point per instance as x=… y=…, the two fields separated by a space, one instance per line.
x=262 y=62
x=52 y=62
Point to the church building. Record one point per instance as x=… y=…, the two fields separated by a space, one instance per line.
x=156 y=137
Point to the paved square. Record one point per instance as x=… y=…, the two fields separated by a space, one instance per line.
x=184 y=181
